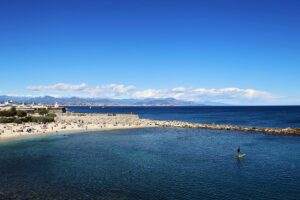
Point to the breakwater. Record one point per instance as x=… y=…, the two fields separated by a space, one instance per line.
x=134 y=120
x=282 y=131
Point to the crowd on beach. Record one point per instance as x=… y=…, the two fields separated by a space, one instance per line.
x=73 y=122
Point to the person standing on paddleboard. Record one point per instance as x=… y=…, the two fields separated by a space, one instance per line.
x=238 y=151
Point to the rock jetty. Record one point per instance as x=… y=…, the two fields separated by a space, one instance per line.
x=282 y=131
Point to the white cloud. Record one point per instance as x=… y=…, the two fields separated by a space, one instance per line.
x=233 y=93
x=83 y=90
x=150 y=93
x=118 y=91
x=228 y=95
x=59 y=87
x=119 y=88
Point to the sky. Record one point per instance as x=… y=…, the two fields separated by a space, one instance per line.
x=244 y=52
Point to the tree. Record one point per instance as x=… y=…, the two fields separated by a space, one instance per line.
x=13 y=111
x=43 y=111
x=8 y=113
x=21 y=113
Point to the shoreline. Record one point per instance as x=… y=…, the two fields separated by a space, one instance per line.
x=90 y=122
x=73 y=123
x=65 y=132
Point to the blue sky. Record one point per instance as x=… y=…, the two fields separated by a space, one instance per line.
x=241 y=51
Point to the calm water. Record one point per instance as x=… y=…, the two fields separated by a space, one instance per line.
x=261 y=116
x=154 y=163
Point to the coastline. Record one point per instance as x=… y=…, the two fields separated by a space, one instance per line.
x=73 y=123
x=16 y=137
x=86 y=122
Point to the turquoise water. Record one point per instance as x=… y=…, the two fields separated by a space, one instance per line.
x=152 y=163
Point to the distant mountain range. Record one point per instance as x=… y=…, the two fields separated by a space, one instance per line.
x=78 y=101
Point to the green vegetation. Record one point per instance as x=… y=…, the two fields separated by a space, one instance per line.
x=21 y=113
x=43 y=112
x=8 y=113
x=20 y=120
x=44 y=119
x=7 y=119
x=14 y=116
x=51 y=115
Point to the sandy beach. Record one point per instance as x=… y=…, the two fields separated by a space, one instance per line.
x=74 y=123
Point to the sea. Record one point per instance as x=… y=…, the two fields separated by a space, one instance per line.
x=160 y=163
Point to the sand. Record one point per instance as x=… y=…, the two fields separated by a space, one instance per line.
x=74 y=123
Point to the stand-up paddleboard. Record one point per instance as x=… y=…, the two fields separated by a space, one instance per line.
x=242 y=155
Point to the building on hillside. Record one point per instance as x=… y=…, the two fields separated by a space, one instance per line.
x=32 y=108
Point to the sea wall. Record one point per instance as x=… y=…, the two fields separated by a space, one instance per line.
x=283 y=131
